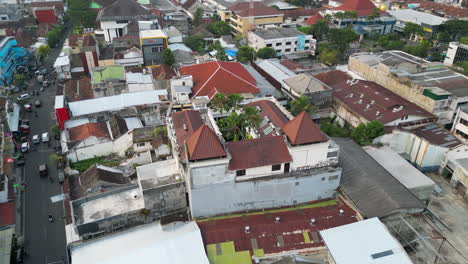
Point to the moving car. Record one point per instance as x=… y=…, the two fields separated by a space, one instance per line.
x=23 y=97
x=28 y=107
x=19 y=160
x=37 y=103
x=25 y=147
x=45 y=137
x=43 y=170
x=36 y=139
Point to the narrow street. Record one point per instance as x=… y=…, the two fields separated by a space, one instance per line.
x=44 y=242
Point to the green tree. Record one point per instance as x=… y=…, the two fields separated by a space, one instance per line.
x=300 y=105
x=320 y=29
x=53 y=38
x=464 y=40
x=412 y=29
x=168 y=57
x=245 y=54
x=364 y=134
x=454 y=28
x=197 y=18
x=420 y=50
x=305 y=30
x=374 y=14
x=222 y=103
x=340 y=39
x=196 y=43
x=350 y=15
x=219 y=28
x=328 y=56
x=43 y=51
x=221 y=55
x=215 y=17
x=19 y=79
x=266 y=53
x=231 y=127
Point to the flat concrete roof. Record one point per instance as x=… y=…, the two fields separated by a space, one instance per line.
x=158 y=174
x=277 y=33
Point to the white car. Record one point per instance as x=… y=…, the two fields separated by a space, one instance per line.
x=25 y=147
x=45 y=137
x=36 y=139
x=22 y=97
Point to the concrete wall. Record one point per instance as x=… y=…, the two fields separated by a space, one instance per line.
x=142 y=146
x=90 y=148
x=275 y=191
x=110 y=29
x=382 y=76
x=165 y=199
x=309 y=155
x=123 y=143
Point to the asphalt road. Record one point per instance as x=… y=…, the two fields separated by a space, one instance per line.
x=44 y=242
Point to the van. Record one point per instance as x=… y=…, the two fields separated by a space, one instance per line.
x=25 y=147
x=45 y=137
x=43 y=170
x=23 y=97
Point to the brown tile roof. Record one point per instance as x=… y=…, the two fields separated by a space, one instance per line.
x=204 y=144
x=259 y=9
x=78 y=89
x=302 y=130
x=313 y=19
x=362 y=7
x=92 y=178
x=89 y=41
x=252 y=153
x=87 y=130
x=162 y=72
x=440 y=8
x=332 y=77
x=73 y=40
x=291 y=65
x=118 y=126
x=269 y=110
x=185 y=122
x=437 y=136
x=298 y=12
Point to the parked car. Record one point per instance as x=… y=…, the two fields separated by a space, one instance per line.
x=23 y=97
x=36 y=139
x=27 y=107
x=43 y=170
x=45 y=137
x=37 y=103
x=25 y=147
x=24 y=129
x=24 y=122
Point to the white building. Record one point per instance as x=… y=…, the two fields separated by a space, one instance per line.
x=130 y=57
x=62 y=64
x=429 y=22
x=282 y=40
x=365 y=242
x=460 y=124
x=139 y=81
x=285 y=151
x=457 y=52
x=143 y=244
x=454 y=166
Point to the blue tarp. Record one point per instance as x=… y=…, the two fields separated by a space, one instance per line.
x=231 y=53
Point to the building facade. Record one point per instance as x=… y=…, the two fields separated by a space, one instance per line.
x=11 y=56
x=457 y=52
x=153 y=43
x=282 y=40
x=460 y=124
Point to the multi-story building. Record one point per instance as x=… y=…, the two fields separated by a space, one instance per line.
x=457 y=52
x=283 y=40
x=115 y=17
x=430 y=23
x=245 y=16
x=365 y=23
x=288 y=161
x=9 y=11
x=153 y=43
x=460 y=123
x=429 y=85
x=11 y=56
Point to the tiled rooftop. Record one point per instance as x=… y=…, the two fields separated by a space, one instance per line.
x=259 y=9
x=294 y=231
x=437 y=136
x=82 y=132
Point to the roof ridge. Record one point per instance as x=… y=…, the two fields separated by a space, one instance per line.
x=237 y=75
x=203 y=86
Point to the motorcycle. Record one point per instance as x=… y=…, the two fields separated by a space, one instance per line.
x=51 y=219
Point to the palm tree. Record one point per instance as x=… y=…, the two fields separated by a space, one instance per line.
x=233 y=102
x=339 y=16
x=301 y=104
x=328 y=17
x=231 y=127
x=251 y=116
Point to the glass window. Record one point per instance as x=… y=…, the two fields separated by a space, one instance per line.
x=276 y=167
x=240 y=173
x=287 y=50
x=288 y=43
x=269 y=45
x=278 y=44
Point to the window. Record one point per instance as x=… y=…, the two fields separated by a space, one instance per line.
x=278 y=44
x=276 y=167
x=278 y=51
x=141 y=144
x=332 y=178
x=269 y=45
x=122 y=21
x=183 y=83
x=240 y=173
x=288 y=43
x=295 y=42
x=307 y=41
x=157 y=49
x=287 y=50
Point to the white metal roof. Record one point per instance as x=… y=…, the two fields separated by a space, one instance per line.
x=275 y=69
x=409 y=15
x=62 y=61
x=116 y=102
x=59 y=102
x=403 y=171
x=152 y=33
x=364 y=242
x=133 y=122
x=180 y=244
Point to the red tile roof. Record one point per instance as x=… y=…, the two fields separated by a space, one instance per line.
x=220 y=76
x=78 y=89
x=56 y=4
x=162 y=72
x=302 y=130
x=7 y=213
x=332 y=77
x=270 y=110
x=259 y=9
x=440 y=8
x=185 y=122
x=87 y=130
x=293 y=226
x=313 y=19
x=374 y=102
x=204 y=144
x=291 y=65
x=252 y=153
x=363 y=7
x=46 y=16
x=298 y=12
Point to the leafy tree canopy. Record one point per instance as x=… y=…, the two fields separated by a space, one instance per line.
x=245 y=54
x=196 y=43
x=300 y=105
x=413 y=29
x=453 y=29
x=168 y=57
x=266 y=53
x=43 y=51
x=364 y=134
x=219 y=28
x=197 y=18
